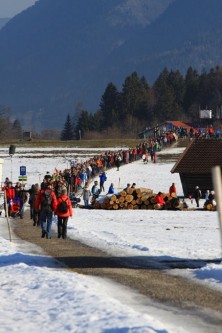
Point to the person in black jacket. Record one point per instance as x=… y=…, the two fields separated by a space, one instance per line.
x=23 y=196
x=197 y=195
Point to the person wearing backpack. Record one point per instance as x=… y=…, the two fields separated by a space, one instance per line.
x=46 y=204
x=63 y=211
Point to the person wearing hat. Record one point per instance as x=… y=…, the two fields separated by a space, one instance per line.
x=63 y=211
x=197 y=195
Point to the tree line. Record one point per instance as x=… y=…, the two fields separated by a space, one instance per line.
x=9 y=129
x=138 y=105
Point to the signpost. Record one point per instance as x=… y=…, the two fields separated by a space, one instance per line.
x=22 y=170
x=22 y=177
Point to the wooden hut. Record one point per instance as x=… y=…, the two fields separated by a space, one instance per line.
x=162 y=128
x=195 y=164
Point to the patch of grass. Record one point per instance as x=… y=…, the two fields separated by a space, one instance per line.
x=74 y=143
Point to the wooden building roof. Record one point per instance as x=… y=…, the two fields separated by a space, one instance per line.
x=177 y=123
x=199 y=157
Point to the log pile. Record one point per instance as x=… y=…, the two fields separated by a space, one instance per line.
x=209 y=205
x=139 y=198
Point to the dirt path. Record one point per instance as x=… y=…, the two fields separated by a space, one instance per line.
x=151 y=281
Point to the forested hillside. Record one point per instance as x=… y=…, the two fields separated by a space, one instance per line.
x=138 y=105
x=58 y=56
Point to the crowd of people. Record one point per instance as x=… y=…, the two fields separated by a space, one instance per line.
x=45 y=200
x=75 y=181
x=198 y=133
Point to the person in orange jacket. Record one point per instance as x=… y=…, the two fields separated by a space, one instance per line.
x=46 y=203
x=63 y=211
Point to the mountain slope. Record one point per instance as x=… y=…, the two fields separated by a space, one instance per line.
x=52 y=53
x=187 y=34
x=3 y=22
x=62 y=53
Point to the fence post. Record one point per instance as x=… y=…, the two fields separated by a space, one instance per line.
x=217 y=183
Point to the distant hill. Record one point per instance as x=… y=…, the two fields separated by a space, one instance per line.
x=62 y=53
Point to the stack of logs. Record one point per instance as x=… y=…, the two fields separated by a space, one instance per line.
x=140 y=198
x=209 y=205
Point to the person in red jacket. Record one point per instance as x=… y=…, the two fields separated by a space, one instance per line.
x=63 y=211
x=172 y=189
x=10 y=194
x=160 y=200
x=46 y=203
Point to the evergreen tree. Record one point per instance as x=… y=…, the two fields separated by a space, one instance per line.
x=68 y=131
x=135 y=94
x=83 y=124
x=109 y=106
x=17 y=129
x=215 y=87
x=191 y=91
x=168 y=97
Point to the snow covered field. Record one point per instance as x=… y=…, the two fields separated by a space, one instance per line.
x=34 y=293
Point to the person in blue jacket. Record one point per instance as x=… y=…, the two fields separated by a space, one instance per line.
x=111 y=189
x=103 y=178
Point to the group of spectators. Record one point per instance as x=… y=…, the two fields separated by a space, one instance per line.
x=73 y=181
x=80 y=174
x=199 y=133
x=45 y=201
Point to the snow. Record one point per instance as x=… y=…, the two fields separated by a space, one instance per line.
x=35 y=293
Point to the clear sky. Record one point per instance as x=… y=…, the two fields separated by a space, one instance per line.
x=9 y=8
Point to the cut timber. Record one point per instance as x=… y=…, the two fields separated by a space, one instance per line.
x=157 y=206
x=122 y=199
x=113 y=198
x=130 y=190
x=153 y=200
x=139 y=201
x=129 y=198
x=130 y=206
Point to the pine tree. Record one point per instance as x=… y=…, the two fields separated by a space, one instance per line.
x=68 y=131
x=135 y=101
x=110 y=106
x=17 y=129
x=169 y=92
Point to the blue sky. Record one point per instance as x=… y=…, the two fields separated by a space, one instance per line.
x=9 y=8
